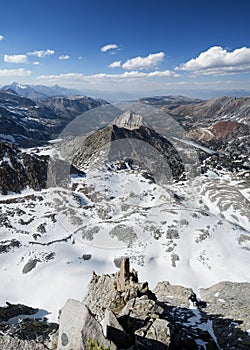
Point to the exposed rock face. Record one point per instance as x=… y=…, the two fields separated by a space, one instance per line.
x=13 y=310
x=25 y=333
x=129 y=309
x=172 y=294
x=78 y=327
x=129 y=120
x=133 y=313
x=171 y=317
x=231 y=302
x=129 y=138
x=19 y=170
x=12 y=343
x=121 y=313
x=114 y=291
x=231 y=141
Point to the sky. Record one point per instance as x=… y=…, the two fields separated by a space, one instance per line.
x=130 y=48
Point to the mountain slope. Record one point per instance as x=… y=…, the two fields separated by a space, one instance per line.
x=129 y=138
x=192 y=231
x=197 y=113
x=29 y=123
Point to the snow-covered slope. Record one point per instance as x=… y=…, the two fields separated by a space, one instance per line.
x=51 y=241
x=192 y=229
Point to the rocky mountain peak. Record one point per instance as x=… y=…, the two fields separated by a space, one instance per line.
x=129 y=120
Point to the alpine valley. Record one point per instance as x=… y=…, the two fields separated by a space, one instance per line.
x=163 y=181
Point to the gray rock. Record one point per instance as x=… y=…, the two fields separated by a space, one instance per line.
x=231 y=301
x=114 y=291
x=30 y=265
x=114 y=331
x=101 y=293
x=29 y=331
x=12 y=343
x=13 y=310
x=156 y=336
x=172 y=294
x=78 y=327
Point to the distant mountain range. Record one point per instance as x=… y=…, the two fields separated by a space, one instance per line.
x=37 y=92
x=27 y=122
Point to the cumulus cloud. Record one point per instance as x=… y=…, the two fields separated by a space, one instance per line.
x=14 y=72
x=41 y=53
x=115 y=64
x=64 y=57
x=109 y=47
x=1 y=37
x=218 y=61
x=15 y=58
x=144 y=62
x=36 y=63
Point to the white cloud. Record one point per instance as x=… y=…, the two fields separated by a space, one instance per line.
x=15 y=58
x=14 y=72
x=144 y=62
x=218 y=61
x=115 y=64
x=1 y=37
x=64 y=57
x=164 y=73
x=41 y=53
x=104 y=76
x=109 y=47
x=36 y=63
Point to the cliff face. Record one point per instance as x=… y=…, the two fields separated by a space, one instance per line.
x=20 y=170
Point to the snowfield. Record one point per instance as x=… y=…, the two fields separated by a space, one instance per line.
x=193 y=233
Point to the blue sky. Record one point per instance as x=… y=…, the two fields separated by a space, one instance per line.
x=127 y=48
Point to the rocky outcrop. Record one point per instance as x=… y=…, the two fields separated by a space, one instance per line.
x=20 y=170
x=134 y=317
x=78 y=328
x=127 y=309
x=129 y=138
x=20 y=329
x=231 y=302
x=119 y=312
x=13 y=343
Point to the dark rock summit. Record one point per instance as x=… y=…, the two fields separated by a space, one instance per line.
x=128 y=138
